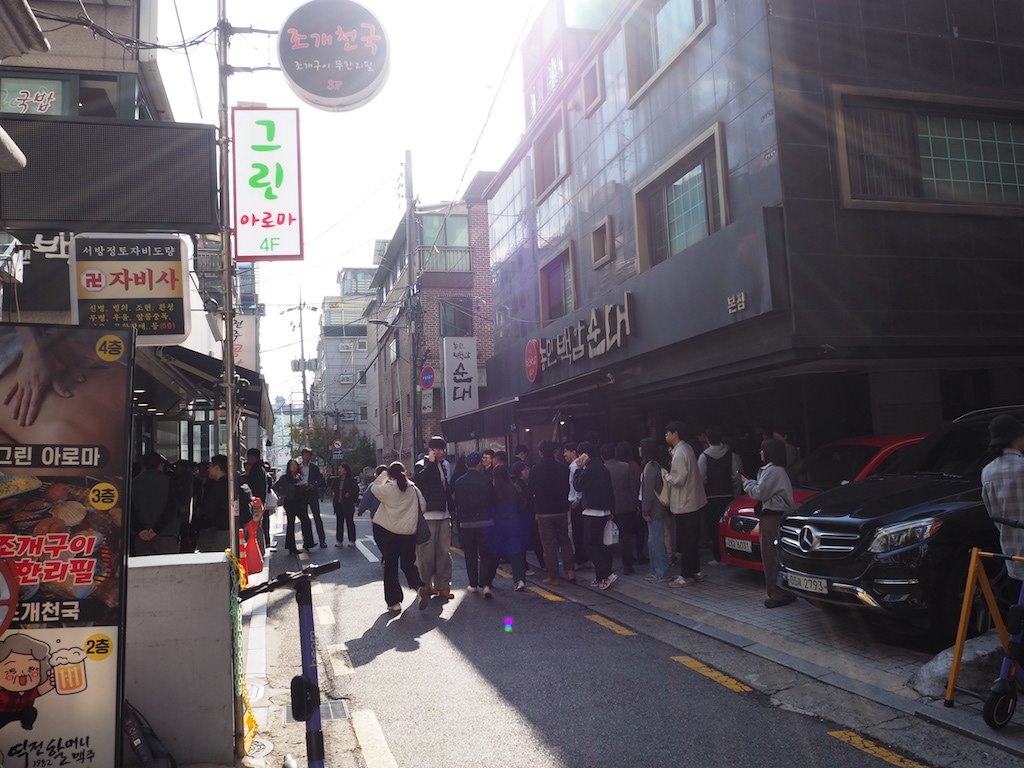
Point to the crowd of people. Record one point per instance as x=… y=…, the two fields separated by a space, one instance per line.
x=578 y=508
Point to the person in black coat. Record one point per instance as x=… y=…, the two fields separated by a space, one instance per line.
x=549 y=489
x=594 y=482
x=344 y=494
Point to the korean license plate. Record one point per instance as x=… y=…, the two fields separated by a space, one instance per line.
x=741 y=545
x=807 y=584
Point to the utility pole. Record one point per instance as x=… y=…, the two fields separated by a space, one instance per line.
x=302 y=362
x=410 y=244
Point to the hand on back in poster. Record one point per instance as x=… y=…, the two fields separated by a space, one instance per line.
x=41 y=370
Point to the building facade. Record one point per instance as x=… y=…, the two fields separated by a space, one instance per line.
x=804 y=213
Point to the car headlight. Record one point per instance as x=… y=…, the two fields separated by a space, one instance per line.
x=890 y=537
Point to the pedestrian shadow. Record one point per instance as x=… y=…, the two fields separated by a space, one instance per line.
x=392 y=631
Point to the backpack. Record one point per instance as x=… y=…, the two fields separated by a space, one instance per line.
x=719 y=482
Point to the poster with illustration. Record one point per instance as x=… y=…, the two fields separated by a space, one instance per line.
x=64 y=439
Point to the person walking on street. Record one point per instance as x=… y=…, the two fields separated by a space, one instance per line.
x=775 y=494
x=625 y=516
x=598 y=501
x=344 y=494
x=720 y=469
x=311 y=485
x=686 y=499
x=653 y=511
x=579 y=545
x=549 y=488
x=433 y=477
x=510 y=534
x=1002 y=487
x=294 y=501
x=474 y=500
x=395 y=532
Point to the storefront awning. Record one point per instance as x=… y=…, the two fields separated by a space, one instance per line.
x=490 y=421
x=209 y=371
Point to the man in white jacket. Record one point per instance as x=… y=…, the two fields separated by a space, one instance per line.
x=686 y=499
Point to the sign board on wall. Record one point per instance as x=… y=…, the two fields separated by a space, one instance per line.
x=268 y=192
x=244 y=341
x=132 y=281
x=460 y=373
x=334 y=54
x=63 y=553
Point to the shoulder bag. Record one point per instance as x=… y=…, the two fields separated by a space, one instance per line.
x=663 y=495
x=422 y=530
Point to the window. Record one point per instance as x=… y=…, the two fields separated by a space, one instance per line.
x=363 y=413
x=457 y=317
x=683 y=204
x=396 y=419
x=393 y=350
x=928 y=156
x=362 y=377
x=557 y=297
x=593 y=87
x=656 y=33
x=54 y=92
x=445 y=243
x=360 y=346
x=550 y=157
x=601 y=243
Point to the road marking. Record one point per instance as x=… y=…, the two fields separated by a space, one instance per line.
x=609 y=624
x=458 y=551
x=714 y=674
x=546 y=595
x=372 y=744
x=366 y=550
x=340 y=661
x=871 y=748
x=324 y=615
x=316 y=588
x=503 y=574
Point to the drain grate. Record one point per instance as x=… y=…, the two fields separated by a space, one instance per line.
x=329 y=710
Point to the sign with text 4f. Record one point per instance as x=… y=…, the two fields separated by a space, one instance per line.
x=268 y=199
x=460 y=375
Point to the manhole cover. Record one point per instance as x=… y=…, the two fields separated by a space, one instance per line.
x=260 y=748
x=329 y=710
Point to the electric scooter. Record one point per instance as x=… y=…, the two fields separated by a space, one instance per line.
x=305 y=687
x=1002 y=697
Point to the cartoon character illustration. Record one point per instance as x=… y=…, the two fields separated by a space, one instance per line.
x=25 y=675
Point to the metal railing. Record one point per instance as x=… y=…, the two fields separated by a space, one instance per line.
x=443 y=258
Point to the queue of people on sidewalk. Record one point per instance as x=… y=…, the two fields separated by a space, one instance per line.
x=577 y=508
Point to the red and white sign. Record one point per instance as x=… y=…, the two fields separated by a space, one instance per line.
x=337 y=445
x=532 y=360
x=268 y=199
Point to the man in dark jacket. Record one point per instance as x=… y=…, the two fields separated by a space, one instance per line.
x=155 y=521
x=433 y=478
x=212 y=534
x=255 y=476
x=474 y=500
x=549 y=488
x=598 y=501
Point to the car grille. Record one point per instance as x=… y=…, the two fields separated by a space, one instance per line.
x=743 y=523
x=805 y=536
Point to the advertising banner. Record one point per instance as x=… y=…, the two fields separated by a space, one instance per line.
x=64 y=436
x=268 y=188
x=132 y=281
x=460 y=374
x=244 y=341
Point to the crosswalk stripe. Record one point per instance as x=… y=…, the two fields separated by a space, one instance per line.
x=340 y=661
x=372 y=744
x=324 y=615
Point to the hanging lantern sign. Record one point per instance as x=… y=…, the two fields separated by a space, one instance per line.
x=334 y=54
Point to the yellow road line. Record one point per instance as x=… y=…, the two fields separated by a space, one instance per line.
x=545 y=594
x=609 y=624
x=372 y=744
x=458 y=551
x=871 y=748
x=504 y=574
x=713 y=674
x=340 y=662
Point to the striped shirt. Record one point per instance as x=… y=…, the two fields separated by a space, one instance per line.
x=1002 y=490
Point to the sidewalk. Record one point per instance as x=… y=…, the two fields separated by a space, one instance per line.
x=832 y=646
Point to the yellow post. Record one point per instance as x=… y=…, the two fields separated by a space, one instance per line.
x=961 y=632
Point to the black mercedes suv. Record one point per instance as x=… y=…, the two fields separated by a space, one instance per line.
x=899 y=544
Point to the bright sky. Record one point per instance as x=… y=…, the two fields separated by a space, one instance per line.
x=448 y=60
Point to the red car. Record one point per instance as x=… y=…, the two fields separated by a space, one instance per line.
x=838 y=463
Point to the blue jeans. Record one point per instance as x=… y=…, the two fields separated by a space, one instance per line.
x=656 y=545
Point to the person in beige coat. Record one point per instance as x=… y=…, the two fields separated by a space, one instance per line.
x=686 y=499
x=394 y=530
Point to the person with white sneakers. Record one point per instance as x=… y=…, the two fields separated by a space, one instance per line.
x=686 y=499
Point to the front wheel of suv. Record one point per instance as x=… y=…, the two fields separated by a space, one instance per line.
x=948 y=600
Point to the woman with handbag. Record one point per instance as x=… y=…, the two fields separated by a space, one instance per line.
x=394 y=529
x=654 y=511
x=344 y=495
x=294 y=506
x=774 y=492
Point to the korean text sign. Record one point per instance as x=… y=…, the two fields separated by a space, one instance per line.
x=268 y=193
x=62 y=547
x=460 y=375
x=132 y=281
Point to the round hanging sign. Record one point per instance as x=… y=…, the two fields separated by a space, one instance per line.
x=334 y=54
x=532 y=360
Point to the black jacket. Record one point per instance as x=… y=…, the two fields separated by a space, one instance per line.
x=595 y=483
x=428 y=479
x=474 y=500
x=549 y=487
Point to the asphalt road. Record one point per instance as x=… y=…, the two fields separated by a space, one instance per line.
x=531 y=680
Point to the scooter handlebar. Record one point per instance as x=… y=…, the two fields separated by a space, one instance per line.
x=1007 y=521
x=289 y=578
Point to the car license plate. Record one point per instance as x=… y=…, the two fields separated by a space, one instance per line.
x=742 y=545
x=807 y=584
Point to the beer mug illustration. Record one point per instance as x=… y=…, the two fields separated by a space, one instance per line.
x=69 y=670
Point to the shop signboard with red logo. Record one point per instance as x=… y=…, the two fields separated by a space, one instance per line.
x=131 y=281
x=63 y=458
x=532 y=360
